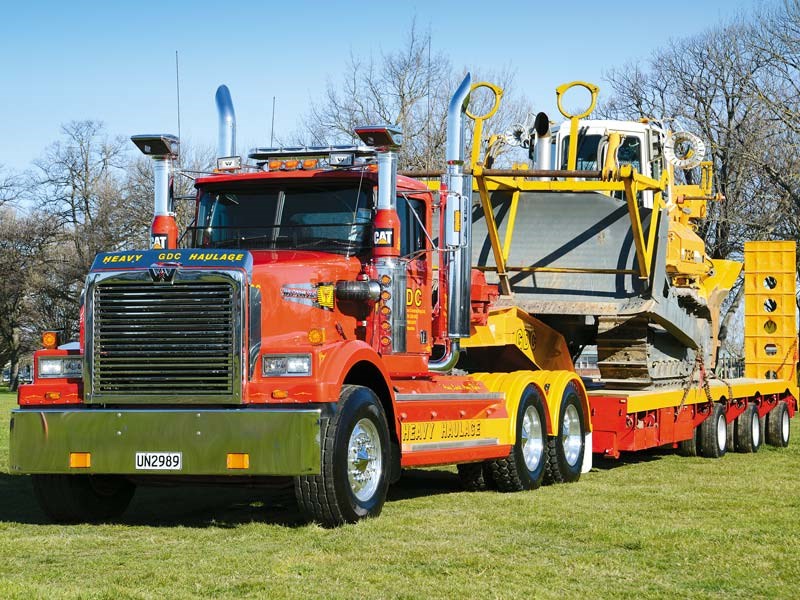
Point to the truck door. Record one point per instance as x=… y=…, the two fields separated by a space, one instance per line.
x=415 y=251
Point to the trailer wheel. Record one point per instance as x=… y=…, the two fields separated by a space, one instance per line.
x=476 y=477
x=355 y=462
x=565 y=451
x=689 y=447
x=778 y=426
x=714 y=433
x=524 y=467
x=82 y=498
x=748 y=435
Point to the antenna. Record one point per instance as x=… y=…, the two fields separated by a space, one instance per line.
x=178 y=89
x=428 y=96
x=272 y=127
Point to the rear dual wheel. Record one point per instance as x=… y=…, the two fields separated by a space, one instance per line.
x=524 y=467
x=565 y=451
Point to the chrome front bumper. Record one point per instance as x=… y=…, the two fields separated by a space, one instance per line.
x=277 y=441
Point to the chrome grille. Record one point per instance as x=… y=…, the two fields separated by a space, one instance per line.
x=164 y=342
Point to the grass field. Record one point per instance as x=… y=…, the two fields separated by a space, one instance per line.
x=656 y=526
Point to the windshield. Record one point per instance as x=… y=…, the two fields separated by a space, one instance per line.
x=628 y=153
x=330 y=217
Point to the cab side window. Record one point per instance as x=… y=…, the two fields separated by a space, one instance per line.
x=412 y=232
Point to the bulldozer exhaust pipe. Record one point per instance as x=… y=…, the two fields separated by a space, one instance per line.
x=541 y=126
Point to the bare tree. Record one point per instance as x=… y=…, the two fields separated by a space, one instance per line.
x=11 y=186
x=409 y=87
x=737 y=86
x=22 y=242
x=79 y=184
x=704 y=84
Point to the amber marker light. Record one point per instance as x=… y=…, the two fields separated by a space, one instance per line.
x=316 y=336
x=238 y=460
x=50 y=339
x=310 y=163
x=385 y=280
x=291 y=164
x=385 y=295
x=80 y=460
x=275 y=165
x=52 y=396
x=280 y=394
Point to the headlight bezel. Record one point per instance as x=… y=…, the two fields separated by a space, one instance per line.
x=286 y=365
x=60 y=367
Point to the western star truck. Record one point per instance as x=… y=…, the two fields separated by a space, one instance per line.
x=325 y=322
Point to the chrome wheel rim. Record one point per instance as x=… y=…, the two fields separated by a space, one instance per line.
x=532 y=439
x=755 y=429
x=722 y=433
x=785 y=426
x=571 y=436
x=364 y=463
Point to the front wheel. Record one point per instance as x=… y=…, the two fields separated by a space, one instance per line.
x=523 y=468
x=565 y=450
x=82 y=498
x=355 y=463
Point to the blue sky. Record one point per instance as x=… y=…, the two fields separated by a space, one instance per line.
x=115 y=61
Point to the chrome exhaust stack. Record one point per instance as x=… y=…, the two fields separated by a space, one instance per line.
x=457 y=230
x=458 y=215
x=226 y=140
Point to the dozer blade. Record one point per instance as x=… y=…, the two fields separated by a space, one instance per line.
x=571 y=261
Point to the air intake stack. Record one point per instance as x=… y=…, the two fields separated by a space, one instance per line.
x=164 y=150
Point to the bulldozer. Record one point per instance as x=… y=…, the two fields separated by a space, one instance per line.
x=596 y=236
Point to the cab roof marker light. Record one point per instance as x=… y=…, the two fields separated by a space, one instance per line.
x=320 y=152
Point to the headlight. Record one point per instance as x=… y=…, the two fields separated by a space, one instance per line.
x=282 y=365
x=61 y=367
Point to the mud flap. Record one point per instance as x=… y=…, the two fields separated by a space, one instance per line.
x=587 y=453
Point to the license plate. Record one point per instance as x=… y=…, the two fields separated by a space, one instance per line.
x=159 y=461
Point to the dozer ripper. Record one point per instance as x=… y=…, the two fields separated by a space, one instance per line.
x=326 y=322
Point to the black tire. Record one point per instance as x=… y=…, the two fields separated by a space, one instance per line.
x=713 y=441
x=778 y=426
x=475 y=477
x=338 y=495
x=524 y=467
x=83 y=498
x=748 y=435
x=564 y=463
x=690 y=447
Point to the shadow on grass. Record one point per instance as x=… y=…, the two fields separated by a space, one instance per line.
x=631 y=458
x=212 y=505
